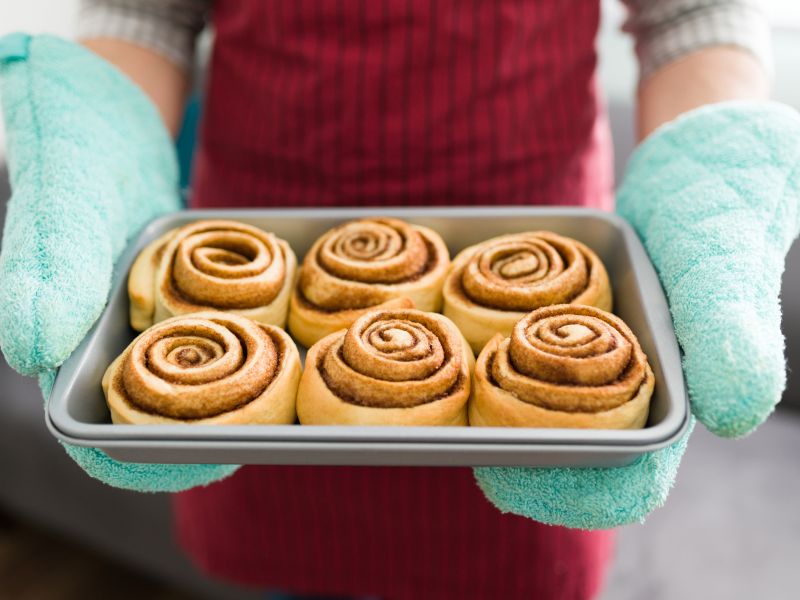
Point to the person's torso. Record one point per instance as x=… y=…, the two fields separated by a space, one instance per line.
x=392 y=102
x=415 y=102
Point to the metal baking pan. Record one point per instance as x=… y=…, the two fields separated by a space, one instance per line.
x=77 y=413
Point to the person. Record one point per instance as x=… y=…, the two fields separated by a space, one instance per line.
x=335 y=103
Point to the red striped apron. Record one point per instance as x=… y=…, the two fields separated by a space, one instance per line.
x=395 y=102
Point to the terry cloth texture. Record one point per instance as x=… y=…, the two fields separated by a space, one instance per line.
x=586 y=498
x=715 y=196
x=140 y=477
x=90 y=164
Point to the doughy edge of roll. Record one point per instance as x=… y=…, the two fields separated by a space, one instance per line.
x=318 y=405
x=275 y=405
x=492 y=406
x=142 y=283
x=479 y=324
x=309 y=325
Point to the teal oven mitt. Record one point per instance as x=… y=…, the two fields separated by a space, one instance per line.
x=715 y=196
x=90 y=164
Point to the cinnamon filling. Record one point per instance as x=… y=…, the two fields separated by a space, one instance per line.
x=394 y=359
x=355 y=266
x=198 y=367
x=522 y=272
x=223 y=265
x=570 y=358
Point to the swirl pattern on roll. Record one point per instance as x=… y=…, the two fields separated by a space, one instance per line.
x=571 y=358
x=220 y=265
x=201 y=366
x=566 y=365
x=362 y=265
x=374 y=251
x=388 y=359
x=347 y=266
x=227 y=265
x=521 y=272
x=494 y=284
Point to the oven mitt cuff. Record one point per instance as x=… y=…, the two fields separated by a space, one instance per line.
x=140 y=477
x=90 y=164
x=715 y=197
x=585 y=498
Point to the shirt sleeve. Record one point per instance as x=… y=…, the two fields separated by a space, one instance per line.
x=667 y=30
x=167 y=27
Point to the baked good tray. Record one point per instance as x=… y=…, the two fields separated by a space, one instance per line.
x=77 y=412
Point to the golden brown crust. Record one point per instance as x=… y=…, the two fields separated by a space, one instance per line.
x=392 y=367
x=363 y=265
x=141 y=284
x=308 y=324
x=219 y=265
x=494 y=284
x=563 y=366
x=206 y=368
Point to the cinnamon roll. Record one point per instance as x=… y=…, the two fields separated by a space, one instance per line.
x=494 y=284
x=363 y=265
x=391 y=367
x=205 y=368
x=563 y=366
x=220 y=265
